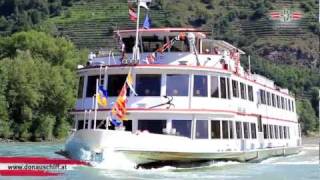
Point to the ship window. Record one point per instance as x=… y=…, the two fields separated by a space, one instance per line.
x=127 y=125
x=285 y=132
x=100 y=124
x=268 y=98
x=214 y=87
x=225 y=130
x=271 y=135
x=202 y=129
x=152 y=43
x=183 y=127
x=250 y=93
x=215 y=130
x=153 y=126
x=80 y=124
x=239 y=130
x=115 y=83
x=231 y=135
x=288 y=132
x=285 y=104
x=281 y=132
x=180 y=46
x=253 y=131
x=289 y=104
x=265 y=131
x=263 y=96
x=235 y=88
x=292 y=106
x=80 y=87
x=223 y=89
x=243 y=92
x=278 y=101
x=276 y=131
x=86 y=124
x=246 y=130
x=273 y=100
x=282 y=103
x=259 y=124
x=228 y=89
x=91 y=85
x=148 y=84
x=177 y=85
x=200 y=86
x=129 y=43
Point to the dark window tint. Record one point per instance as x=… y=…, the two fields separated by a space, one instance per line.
x=91 y=85
x=250 y=93
x=268 y=99
x=223 y=87
x=148 y=84
x=259 y=124
x=183 y=127
x=225 y=130
x=235 y=88
x=278 y=102
x=200 y=86
x=231 y=130
x=271 y=135
x=214 y=86
x=243 y=92
x=115 y=83
x=177 y=85
x=202 y=129
x=276 y=131
x=253 y=131
x=153 y=126
x=80 y=124
x=239 y=130
x=215 y=129
x=273 y=100
x=129 y=43
x=282 y=103
x=281 y=132
x=262 y=96
x=246 y=130
x=265 y=131
x=80 y=87
x=228 y=89
x=127 y=125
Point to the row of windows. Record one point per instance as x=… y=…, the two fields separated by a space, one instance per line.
x=150 y=85
x=101 y=124
x=276 y=132
x=176 y=85
x=276 y=101
x=246 y=91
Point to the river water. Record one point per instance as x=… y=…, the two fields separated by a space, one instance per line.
x=304 y=165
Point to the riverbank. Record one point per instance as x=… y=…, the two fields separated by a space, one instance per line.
x=310 y=140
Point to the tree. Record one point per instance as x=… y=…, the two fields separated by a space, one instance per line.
x=306 y=115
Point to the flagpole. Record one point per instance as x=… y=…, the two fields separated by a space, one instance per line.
x=136 y=52
x=96 y=105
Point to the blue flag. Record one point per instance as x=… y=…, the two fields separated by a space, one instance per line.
x=147 y=22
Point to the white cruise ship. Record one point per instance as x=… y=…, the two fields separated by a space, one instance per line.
x=194 y=102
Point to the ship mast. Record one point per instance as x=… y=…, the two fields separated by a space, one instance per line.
x=136 y=50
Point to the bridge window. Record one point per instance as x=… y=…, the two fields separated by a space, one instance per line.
x=243 y=92
x=215 y=130
x=239 y=130
x=214 y=87
x=223 y=87
x=202 y=129
x=200 y=86
x=91 y=85
x=180 y=46
x=183 y=127
x=152 y=43
x=152 y=126
x=148 y=84
x=115 y=83
x=253 y=131
x=177 y=85
x=129 y=43
x=250 y=93
x=80 y=87
x=235 y=88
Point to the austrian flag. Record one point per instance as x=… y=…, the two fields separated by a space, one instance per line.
x=132 y=15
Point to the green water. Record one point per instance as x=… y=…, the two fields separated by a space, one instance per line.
x=304 y=165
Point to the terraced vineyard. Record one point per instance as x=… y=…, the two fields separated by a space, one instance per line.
x=91 y=24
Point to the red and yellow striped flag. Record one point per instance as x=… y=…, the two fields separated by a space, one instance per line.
x=119 y=109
